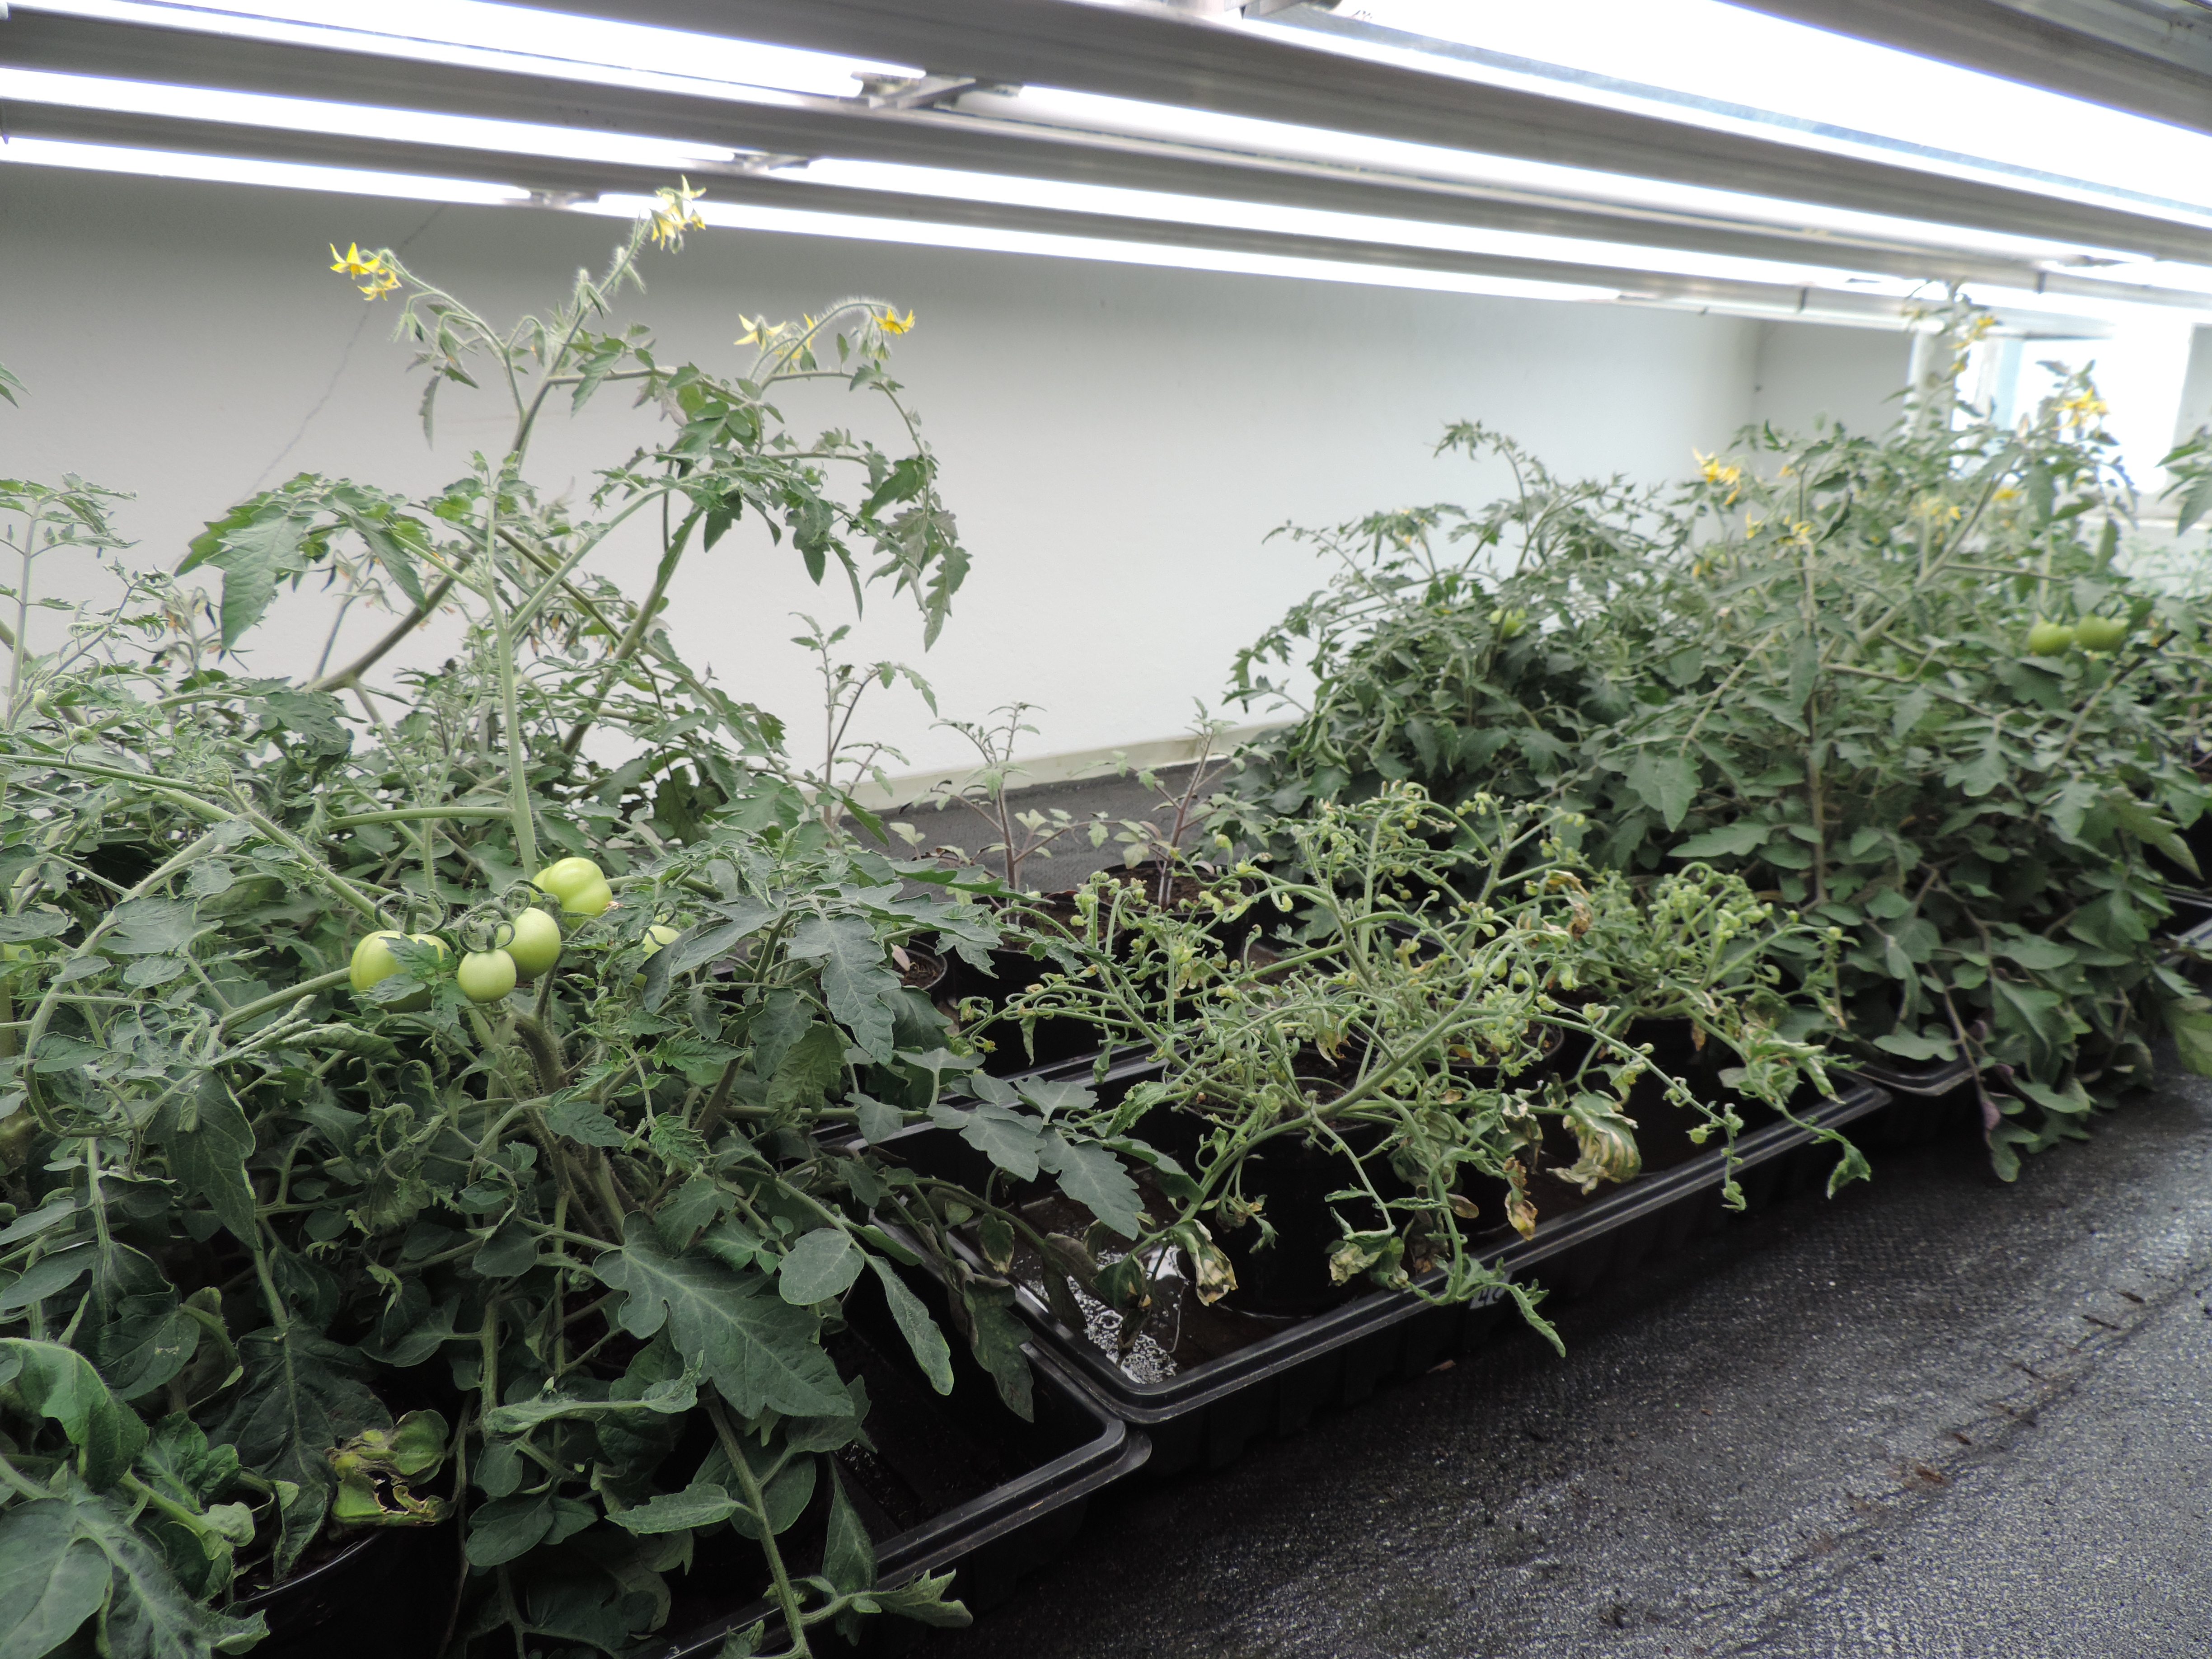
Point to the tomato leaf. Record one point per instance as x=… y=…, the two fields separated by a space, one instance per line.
x=758 y=1350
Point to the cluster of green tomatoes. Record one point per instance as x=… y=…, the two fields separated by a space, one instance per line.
x=522 y=947
x=2092 y=633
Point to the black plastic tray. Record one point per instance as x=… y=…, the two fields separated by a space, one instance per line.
x=2198 y=937
x=367 y=1601
x=1936 y=1080
x=987 y=1543
x=1207 y=1413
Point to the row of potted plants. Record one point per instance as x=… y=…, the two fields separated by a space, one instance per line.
x=511 y=1114
x=1906 y=685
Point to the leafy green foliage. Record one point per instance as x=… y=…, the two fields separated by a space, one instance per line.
x=1408 y=1024
x=250 y=1218
x=1809 y=668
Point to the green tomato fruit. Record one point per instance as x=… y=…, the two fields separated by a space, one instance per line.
x=2101 y=633
x=2050 y=639
x=17 y=1131
x=486 y=975
x=658 y=938
x=533 y=940
x=579 y=884
x=372 y=963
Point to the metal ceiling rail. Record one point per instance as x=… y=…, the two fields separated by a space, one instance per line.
x=557 y=181
x=1158 y=56
x=787 y=125
x=2150 y=58
x=880 y=129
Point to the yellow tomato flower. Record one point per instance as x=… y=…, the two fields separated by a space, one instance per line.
x=382 y=279
x=1717 y=472
x=893 y=322
x=674 y=214
x=2082 y=408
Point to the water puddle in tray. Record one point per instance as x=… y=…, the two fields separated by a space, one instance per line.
x=1180 y=1331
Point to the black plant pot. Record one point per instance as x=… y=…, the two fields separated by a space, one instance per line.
x=386 y=1593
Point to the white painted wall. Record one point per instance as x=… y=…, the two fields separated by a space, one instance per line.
x=1803 y=371
x=1116 y=441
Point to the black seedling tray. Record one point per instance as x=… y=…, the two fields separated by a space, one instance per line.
x=1936 y=1080
x=1206 y=1414
x=989 y=1540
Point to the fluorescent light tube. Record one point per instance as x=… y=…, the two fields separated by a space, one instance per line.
x=1798 y=85
x=350 y=120
x=1257 y=142
x=740 y=216
x=516 y=37
x=1172 y=208
x=234 y=170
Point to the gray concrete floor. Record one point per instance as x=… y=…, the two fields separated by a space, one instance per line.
x=1935 y=1416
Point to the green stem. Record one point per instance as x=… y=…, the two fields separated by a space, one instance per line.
x=794 y=1618
x=418 y=815
x=285 y=999
x=523 y=826
x=19 y=1483
x=22 y=631
x=376 y=653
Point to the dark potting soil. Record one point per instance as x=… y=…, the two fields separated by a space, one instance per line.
x=919 y=969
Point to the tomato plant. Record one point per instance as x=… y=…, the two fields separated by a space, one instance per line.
x=1809 y=665
x=276 y=1161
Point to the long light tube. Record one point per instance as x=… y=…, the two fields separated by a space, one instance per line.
x=1169 y=207
x=1790 y=82
x=477 y=34
x=235 y=170
x=742 y=216
x=350 y=120
x=1396 y=159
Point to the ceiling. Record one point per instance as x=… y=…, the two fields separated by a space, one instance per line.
x=1302 y=141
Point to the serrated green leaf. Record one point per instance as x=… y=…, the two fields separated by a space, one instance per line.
x=996 y=1334
x=1667 y=783
x=811 y=1069
x=1014 y=1143
x=149 y=1340
x=696 y=1505
x=207 y=1143
x=758 y=1350
x=924 y=1599
x=151 y=927
x=860 y=987
x=40 y=922
x=56 y=1579
x=1738 y=840
x=1094 y=1178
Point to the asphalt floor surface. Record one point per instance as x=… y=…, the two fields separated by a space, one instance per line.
x=1936 y=1415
